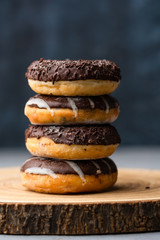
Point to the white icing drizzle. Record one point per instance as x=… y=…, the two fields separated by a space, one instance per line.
x=77 y=169
x=41 y=104
x=91 y=103
x=41 y=171
x=107 y=165
x=97 y=166
x=73 y=106
x=106 y=103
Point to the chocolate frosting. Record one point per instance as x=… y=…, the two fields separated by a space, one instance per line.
x=80 y=102
x=79 y=135
x=58 y=70
x=107 y=166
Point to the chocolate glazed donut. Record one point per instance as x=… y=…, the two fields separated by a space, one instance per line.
x=72 y=142
x=63 y=176
x=73 y=78
x=53 y=110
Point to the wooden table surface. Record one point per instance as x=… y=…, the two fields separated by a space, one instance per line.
x=128 y=157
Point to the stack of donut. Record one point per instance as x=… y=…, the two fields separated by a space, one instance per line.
x=70 y=136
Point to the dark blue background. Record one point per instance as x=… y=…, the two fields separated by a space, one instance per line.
x=126 y=31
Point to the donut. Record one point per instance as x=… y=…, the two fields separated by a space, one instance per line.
x=53 y=110
x=47 y=175
x=73 y=78
x=72 y=142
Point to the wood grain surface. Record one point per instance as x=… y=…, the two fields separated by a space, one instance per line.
x=132 y=205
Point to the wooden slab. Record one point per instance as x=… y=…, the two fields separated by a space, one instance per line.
x=132 y=205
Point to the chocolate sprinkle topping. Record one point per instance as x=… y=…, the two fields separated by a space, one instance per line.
x=68 y=70
x=107 y=166
x=79 y=135
x=80 y=102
